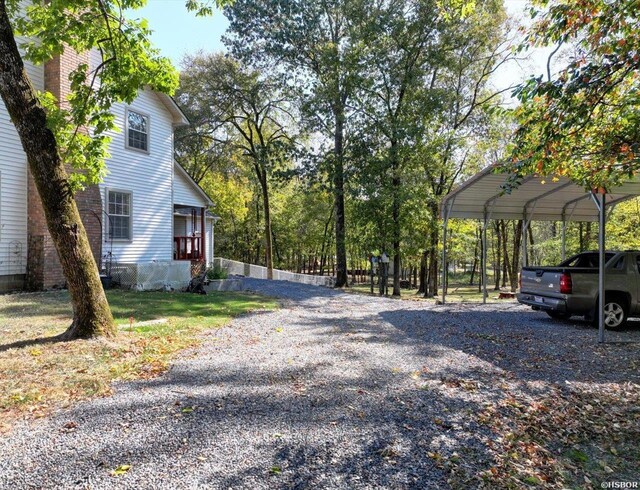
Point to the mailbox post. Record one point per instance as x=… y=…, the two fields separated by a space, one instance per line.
x=384 y=285
x=373 y=260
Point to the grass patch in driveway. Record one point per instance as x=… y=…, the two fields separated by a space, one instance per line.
x=458 y=293
x=38 y=377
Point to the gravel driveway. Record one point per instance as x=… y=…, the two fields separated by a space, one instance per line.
x=333 y=390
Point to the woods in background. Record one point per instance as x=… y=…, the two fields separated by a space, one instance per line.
x=332 y=129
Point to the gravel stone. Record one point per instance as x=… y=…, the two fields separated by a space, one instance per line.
x=333 y=390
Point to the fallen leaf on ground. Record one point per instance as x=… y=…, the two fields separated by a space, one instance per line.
x=121 y=470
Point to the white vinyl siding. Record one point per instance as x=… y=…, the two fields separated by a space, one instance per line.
x=13 y=188
x=185 y=192
x=148 y=177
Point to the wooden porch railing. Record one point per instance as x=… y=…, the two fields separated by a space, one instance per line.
x=187 y=248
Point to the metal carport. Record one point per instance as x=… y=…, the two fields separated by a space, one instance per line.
x=483 y=198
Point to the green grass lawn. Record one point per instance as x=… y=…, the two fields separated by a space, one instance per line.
x=40 y=376
x=458 y=293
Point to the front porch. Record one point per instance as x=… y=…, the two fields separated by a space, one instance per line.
x=189 y=240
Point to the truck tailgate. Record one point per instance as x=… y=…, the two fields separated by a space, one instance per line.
x=544 y=281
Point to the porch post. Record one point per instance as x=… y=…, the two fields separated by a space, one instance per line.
x=203 y=236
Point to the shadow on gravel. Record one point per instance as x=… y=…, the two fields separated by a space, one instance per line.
x=351 y=432
x=289 y=290
x=533 y=348
x=340 y=419
x=528 y=344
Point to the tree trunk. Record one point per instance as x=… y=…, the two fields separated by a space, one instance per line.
x=91 y=314
x=354 y=266
x=325 y=240
x=505 y=253
x=423 y=273
x=256 y=259
x=338 y=189
x=483 y=265
x=395 y=216
x=268 y=237
x=498 y=256
x=475 y=263
x=530 y=248
x=276 y=249
x=432 y=282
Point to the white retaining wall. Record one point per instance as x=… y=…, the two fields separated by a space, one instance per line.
x=258 y=272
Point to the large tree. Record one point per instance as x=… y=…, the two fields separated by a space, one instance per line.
x=402 y=55
x=230 y=105
x=56 y=139
x=477 y=44
x=310 y=44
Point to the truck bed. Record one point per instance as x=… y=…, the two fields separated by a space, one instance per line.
x=540 y=287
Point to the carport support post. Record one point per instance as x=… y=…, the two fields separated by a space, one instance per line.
x=525 y=251
x=564 y=237
x=601 y=201
x=484 y=258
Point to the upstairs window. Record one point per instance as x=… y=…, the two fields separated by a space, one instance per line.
x=119 y=210
x=137 y=131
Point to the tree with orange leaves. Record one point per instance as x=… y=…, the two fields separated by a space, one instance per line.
x=582 y=122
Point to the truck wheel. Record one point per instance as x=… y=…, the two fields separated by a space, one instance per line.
x=616 y=313
x=558 y=315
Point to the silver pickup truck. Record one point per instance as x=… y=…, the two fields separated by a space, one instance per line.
x=572 y=287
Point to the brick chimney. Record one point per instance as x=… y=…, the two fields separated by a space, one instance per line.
x=43 y=266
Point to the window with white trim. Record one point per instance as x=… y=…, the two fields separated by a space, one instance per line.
x=119 y=211
x=137 y=131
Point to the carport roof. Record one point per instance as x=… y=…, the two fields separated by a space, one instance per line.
x=536 y=198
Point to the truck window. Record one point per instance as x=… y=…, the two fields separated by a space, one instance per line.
x=583 y=260
x=586 y=259
x=619 y=265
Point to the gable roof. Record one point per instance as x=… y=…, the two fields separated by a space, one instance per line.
x=178 y=168
x=179 y=118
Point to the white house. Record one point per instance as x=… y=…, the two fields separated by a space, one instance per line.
x=131 y=218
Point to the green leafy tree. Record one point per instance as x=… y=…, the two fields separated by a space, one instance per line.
x=238 y=107
x=310 y=44
x=582 y=122
x=235 y=197
x=478 y=45
x=401 y=55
